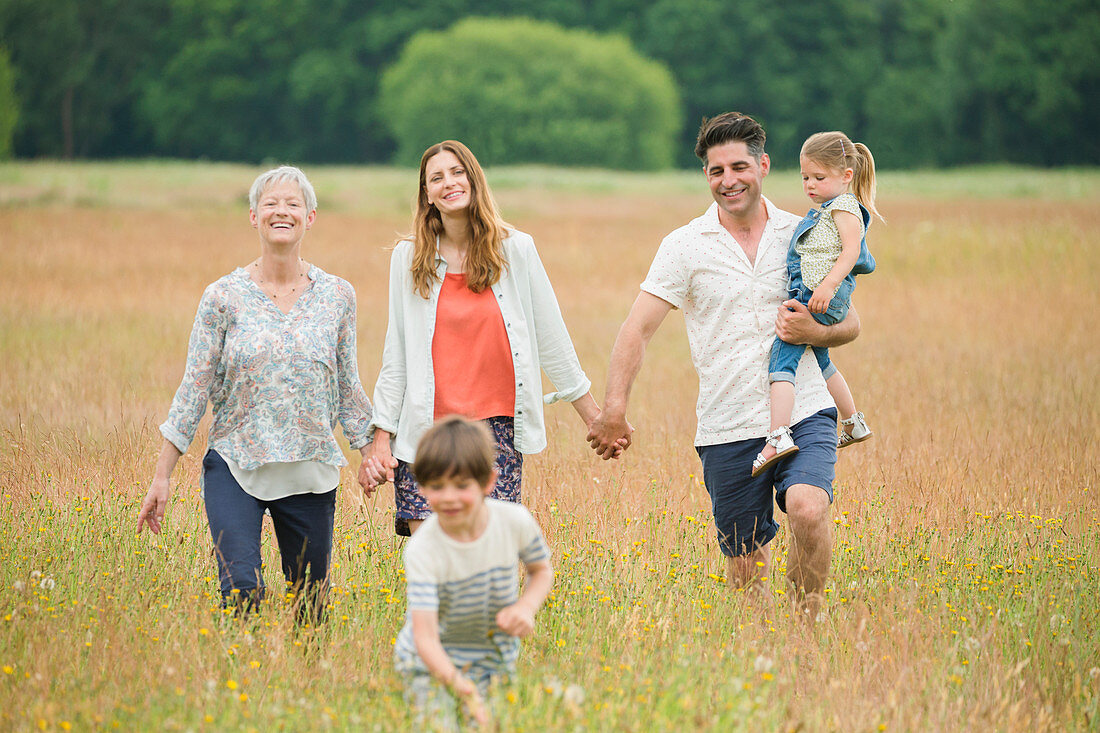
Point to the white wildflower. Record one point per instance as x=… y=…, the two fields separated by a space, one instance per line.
x=552 y=686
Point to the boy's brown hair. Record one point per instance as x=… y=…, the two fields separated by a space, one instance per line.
x=457 y=447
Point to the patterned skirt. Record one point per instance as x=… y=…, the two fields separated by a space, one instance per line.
x=411 y=504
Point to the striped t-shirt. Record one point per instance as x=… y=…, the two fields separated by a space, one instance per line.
x=467 y=583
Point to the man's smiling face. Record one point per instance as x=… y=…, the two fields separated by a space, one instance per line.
x=736 y=179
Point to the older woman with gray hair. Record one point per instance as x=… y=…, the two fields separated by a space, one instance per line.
x=273 y=350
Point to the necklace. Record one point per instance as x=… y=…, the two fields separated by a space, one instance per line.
x=297 y=281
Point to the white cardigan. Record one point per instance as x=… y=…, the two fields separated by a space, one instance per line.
x=404 y=395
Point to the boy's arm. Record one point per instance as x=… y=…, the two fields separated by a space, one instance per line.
x=426 y=637
x=847 y=225
x=518 y=619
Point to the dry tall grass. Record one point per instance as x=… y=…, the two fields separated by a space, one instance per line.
x=964 y=583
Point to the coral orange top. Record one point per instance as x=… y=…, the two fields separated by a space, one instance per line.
x=474 y=374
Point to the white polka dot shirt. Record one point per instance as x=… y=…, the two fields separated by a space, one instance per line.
x=730 y=306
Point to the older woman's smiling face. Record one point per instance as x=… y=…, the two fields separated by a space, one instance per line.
x=280 y=215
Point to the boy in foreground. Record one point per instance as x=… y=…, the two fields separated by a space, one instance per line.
x=466 y=613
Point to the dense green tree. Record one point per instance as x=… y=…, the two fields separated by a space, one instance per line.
x=9 y=105
x=922 y=82
x=797 y=67
x=529 y=91
x=1024 y=80
x=261 y=80
x=907 y=106
x=76 y=67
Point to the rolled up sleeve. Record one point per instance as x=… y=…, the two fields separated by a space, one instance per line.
x=202 y=372
x=389 y=389
x=355 y=409
x=556 y=353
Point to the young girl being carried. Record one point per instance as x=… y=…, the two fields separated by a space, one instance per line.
x=827 y=251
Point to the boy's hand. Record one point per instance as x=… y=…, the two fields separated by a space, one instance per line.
x=516 y=620
x=466 y=692
x=819 y=301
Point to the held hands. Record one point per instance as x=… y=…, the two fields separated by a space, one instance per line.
x=609 y=435
x=377 y=466
x=154 y=506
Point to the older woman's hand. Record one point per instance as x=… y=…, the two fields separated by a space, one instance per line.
x=156 y=498
x=378 y=463
x=154 y=505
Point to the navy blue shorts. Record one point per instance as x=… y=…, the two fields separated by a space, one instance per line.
x=742 y=505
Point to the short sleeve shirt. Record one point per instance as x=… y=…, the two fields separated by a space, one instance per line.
x=730 y=306
x=819 y=248
x=467 y=583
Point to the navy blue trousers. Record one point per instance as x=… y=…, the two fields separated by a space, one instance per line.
x=303 y=528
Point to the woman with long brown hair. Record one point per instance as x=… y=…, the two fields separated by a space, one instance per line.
x=473 y=321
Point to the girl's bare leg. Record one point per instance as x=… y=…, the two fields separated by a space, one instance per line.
x=842 y=396
x=782 y=405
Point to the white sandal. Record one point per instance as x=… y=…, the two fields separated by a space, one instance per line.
x=784 y=445
x=860 y=431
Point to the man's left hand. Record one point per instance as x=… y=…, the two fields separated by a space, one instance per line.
x=795 y=324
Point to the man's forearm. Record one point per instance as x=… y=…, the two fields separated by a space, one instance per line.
x=626 y=361
x=796 y=325
x=838 y=334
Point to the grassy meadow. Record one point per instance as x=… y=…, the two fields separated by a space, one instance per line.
x=965 y=586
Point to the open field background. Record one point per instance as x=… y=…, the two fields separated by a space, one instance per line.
x=964 y=591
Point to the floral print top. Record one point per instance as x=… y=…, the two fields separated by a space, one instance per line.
x=820 y=247
x=277 y=382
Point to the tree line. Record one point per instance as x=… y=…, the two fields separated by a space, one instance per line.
x=923 y=82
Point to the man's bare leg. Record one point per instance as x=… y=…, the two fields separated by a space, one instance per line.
x=811 y=546
x=745 y=571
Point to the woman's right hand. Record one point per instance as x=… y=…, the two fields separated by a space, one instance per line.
x=156 y=498
x=154 y=505
x=378 y=464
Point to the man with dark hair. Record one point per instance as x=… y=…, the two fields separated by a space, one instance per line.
x=727 y=271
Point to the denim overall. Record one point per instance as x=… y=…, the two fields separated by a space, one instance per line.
x=785 y=357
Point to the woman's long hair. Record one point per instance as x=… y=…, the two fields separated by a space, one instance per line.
x=485 y=262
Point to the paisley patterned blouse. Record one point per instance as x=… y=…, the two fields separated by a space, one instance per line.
x=277 y=382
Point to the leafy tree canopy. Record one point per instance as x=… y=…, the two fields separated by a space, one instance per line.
x=523 y=91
